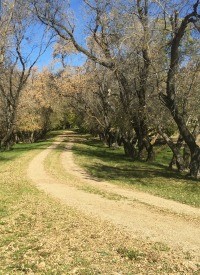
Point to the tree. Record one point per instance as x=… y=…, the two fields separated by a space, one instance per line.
x=41 y=108
x=105 y=47
x=17 y=62
x=124 y=38
x=170 y=99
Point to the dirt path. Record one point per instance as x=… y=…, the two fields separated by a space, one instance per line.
x=141 y=214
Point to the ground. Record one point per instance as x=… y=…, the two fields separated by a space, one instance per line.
x=88 y=226
x=141 y=214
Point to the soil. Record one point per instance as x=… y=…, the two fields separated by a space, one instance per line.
x=145 y=216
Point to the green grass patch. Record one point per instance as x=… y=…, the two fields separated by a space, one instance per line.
x=12 y=185
x=131 y=254
x=53 y=164
x=38 y=235
x=54 y=167
x=161 y=246
x=155 y=178
x=107 y=195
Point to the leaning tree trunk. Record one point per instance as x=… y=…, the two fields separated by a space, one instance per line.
x=129 y=148
x=174 y=157
x=195 y=164
x=170 y=98
x=187 y=136
x=175 y=149
x=186 y=156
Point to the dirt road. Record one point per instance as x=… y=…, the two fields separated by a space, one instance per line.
x=143 y=215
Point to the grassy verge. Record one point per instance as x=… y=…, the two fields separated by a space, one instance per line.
x=155 y=178
x=107 y=195
x=54 y=167
x=38 y=235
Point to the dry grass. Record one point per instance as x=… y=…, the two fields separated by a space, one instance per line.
x=38 y=235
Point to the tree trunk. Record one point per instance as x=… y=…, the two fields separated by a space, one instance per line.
x=129 y=149
x=175 y=149
x=143 y=140
x=174 y=157
x=7 y=142
x=195 y=164
x=170 y=98
x=139 y=121
x=186 y=156
x=190 y=141
x=172 y=162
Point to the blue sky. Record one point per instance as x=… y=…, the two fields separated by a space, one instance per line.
x=79 y=59
x=75 y=60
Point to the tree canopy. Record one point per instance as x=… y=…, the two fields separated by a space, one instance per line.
x=140 y=79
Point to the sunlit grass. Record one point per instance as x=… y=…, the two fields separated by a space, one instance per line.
x=38 y=235
x=54 y=167
x=155 y=178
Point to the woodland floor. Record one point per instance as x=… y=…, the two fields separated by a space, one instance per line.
x=170 y=225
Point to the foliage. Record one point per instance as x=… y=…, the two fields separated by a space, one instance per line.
x=140 y=81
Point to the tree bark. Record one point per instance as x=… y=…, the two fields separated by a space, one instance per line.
x=195 y=164
x=178 y=146
x=170 y=98
x=7 y=141
x=175 y=149
x=129 y=148
x=139 y=121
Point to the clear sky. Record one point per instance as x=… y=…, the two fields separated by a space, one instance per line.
x=75 y=60
x=76 y=6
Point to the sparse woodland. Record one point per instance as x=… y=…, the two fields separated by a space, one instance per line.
x=139 y=84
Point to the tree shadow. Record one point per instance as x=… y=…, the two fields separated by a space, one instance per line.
x=21 y=148
x=40 y=145
x=4 y=159
x=31 y=146
x=105 y=172
x=116 y=166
